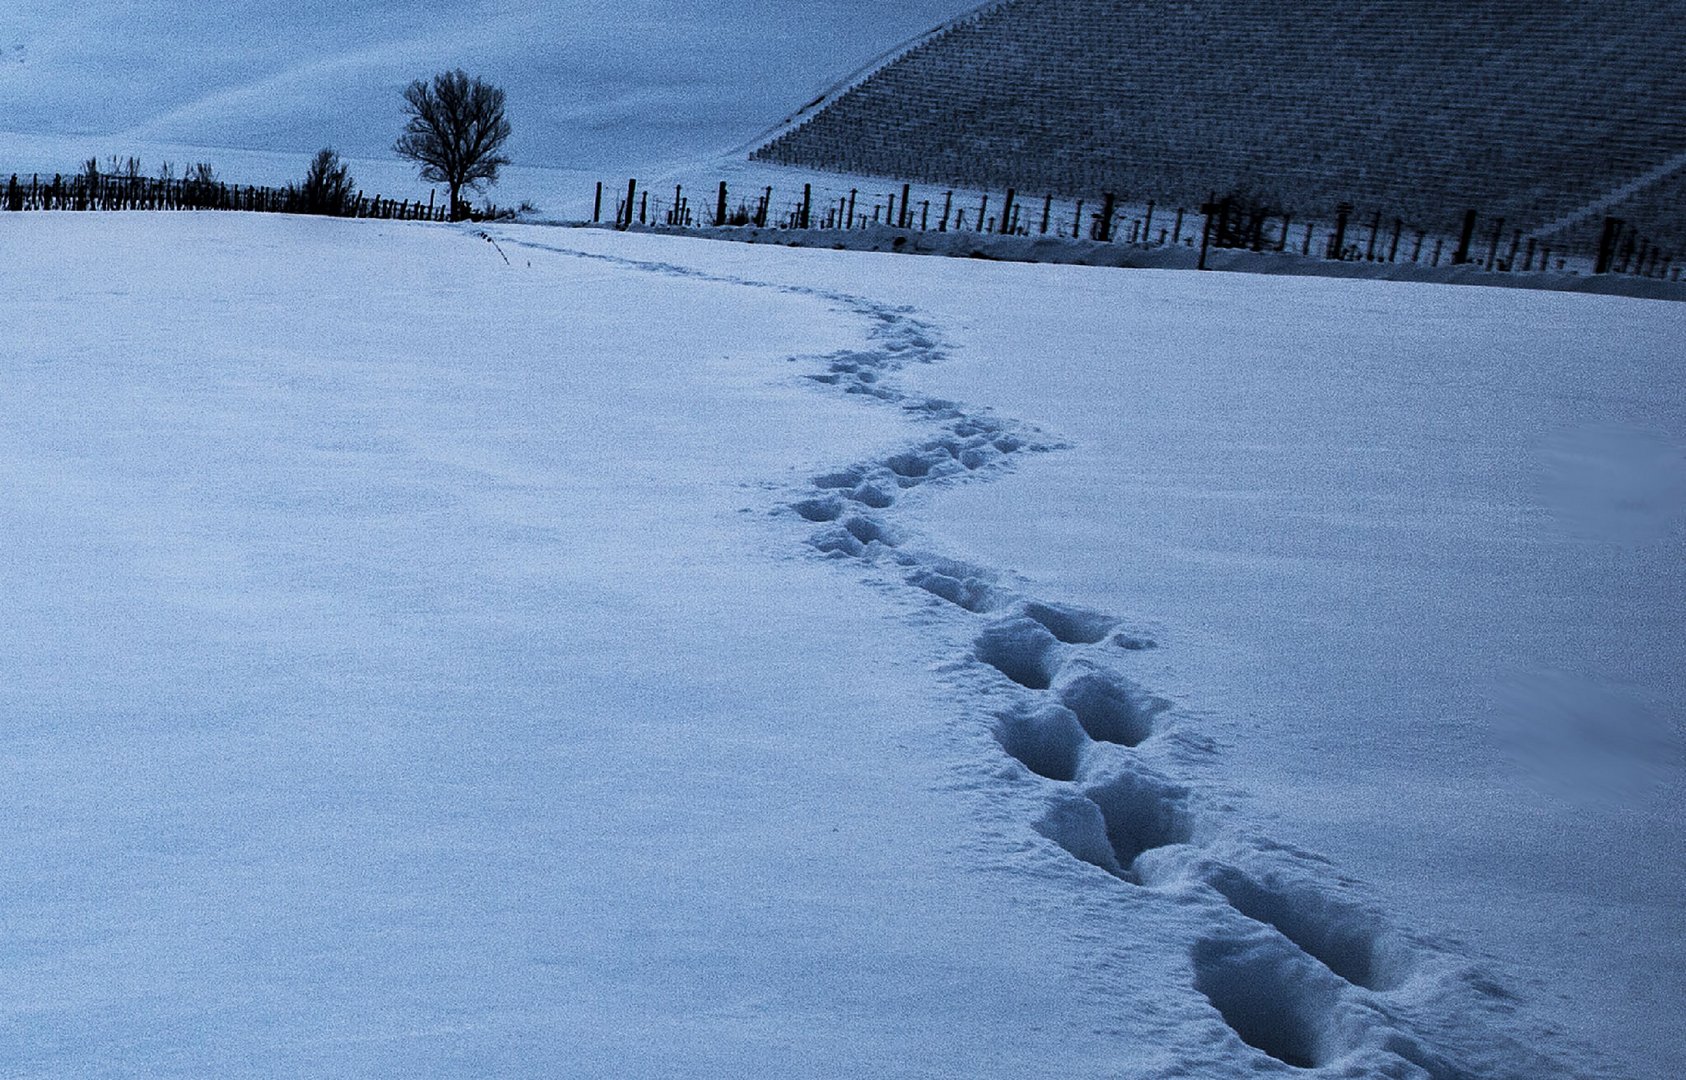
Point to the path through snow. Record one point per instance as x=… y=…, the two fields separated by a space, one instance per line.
x=1299 y=962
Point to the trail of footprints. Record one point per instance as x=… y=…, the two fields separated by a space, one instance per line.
x=1295 y=969
x=1294 y=965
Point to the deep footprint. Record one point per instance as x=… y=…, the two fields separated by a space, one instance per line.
x=1072 y=625
x=1048 y=741
x=1110 y=707
x=1342 y=936
x=1021 y=649
x=1142 y=811
x=1115 y=822
x=1270 y=999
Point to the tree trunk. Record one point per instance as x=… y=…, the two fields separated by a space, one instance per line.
x=456 y=206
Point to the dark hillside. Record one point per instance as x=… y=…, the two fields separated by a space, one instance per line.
x=1423 y=108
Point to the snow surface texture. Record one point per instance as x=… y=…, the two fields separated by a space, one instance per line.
x=437 y=710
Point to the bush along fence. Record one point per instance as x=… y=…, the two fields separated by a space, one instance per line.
x=1237 y=221
x=106 y=191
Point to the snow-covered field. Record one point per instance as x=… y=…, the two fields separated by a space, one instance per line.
x=619 y=655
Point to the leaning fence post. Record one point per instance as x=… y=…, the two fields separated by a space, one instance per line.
x=631 y=197
x=948 y=204
x=983 y=208
x=1047 y=208
x=1007 y=212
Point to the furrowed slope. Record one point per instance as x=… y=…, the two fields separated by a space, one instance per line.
x=1423 y=109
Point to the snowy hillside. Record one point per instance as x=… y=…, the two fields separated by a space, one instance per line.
x=591 y=84
x=561 y=652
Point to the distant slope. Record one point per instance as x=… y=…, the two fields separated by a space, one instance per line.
x=590 y=83
x=1525 y=111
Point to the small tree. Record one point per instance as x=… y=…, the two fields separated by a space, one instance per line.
x=328 y=185
x=455 y=131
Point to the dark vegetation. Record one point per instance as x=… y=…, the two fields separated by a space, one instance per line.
x=455 y=130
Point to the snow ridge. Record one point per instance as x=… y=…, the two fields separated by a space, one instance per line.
x=1298 y=967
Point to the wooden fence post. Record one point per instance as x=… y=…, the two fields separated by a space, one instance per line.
x=1007 y=213
x=720 y=205
x=1103 y=227
x=907 y=207
x=948 y=204
x=1465 y=237
x=850 y=223
x=807 y=204
x=1147 y=224
x=1493 y=248
x=1607 y=245
x=1207 y=209
x=1393 y=248
x=1047 y=209
x=1077 y=221
x=1337 y=242
x=983 y=208
x=631 y=196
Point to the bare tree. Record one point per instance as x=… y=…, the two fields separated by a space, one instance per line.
x=455 y=132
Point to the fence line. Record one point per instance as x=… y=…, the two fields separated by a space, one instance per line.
x=1221 y=222
x=102 y=191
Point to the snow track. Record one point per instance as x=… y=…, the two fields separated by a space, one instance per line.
x=1298 y=967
